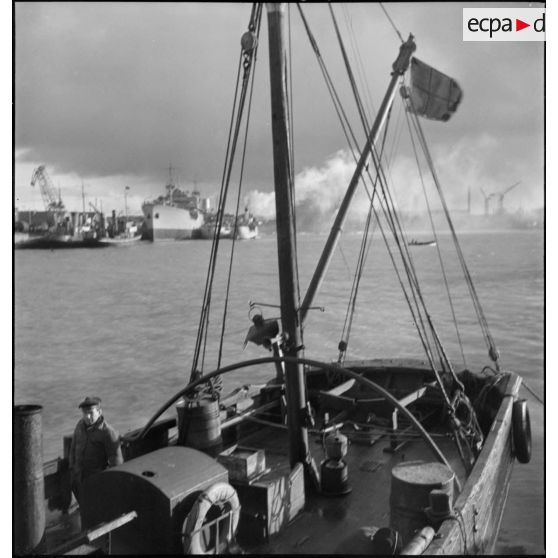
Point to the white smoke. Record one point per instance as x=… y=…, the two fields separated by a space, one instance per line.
x=318 y=192
x=261 y=204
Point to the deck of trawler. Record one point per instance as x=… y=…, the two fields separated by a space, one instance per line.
x=344 y=521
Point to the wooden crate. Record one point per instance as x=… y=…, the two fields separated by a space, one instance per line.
x=243 y=464
x=269 y=503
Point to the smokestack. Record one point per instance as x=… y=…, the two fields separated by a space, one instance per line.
x=29 y=489
x=469 y=200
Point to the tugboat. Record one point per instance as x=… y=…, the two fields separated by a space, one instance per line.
x=370 y=456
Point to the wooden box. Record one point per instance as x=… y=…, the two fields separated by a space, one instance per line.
x=270 y=503
x=243 y=464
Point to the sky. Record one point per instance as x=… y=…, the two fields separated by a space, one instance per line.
x=109 y=95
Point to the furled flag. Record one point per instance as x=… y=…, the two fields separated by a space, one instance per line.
x=433 y=94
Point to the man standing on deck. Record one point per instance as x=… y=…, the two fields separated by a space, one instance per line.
x=95 y=445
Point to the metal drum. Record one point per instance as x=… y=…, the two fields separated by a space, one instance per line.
x=411 y=484
x=29 y=489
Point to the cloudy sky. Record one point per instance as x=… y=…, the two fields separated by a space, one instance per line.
x=109 y=94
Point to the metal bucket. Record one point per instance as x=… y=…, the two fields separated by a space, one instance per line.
x=411 y=484
x=199 y=424
x=29 y=487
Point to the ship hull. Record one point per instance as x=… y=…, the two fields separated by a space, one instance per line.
x=121 y=240
x=55 y=241
x=167 y=222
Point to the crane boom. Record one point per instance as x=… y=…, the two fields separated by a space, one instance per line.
x=41 y=176
x=502 y=194
x=510 y=188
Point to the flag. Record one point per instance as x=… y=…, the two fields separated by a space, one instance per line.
x=433 y=94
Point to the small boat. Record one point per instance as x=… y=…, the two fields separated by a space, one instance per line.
x=246 y=226
x=422 y=242
x=362 y=455
x=125 y=235
x=121 y=240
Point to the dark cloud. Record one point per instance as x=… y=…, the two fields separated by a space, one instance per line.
x=119 y=90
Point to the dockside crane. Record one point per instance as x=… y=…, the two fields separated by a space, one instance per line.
x=41 y=176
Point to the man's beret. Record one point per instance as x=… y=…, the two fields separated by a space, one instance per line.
x=89 y=402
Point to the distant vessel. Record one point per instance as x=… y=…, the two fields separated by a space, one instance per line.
x=56 y=240
x=208 y=229
x=123 y=231
x=55 y=227
x=174 y=216
x=422 y=243
x=246 y=226
x=130 y=235
x=60 y=230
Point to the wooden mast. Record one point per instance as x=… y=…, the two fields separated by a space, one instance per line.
x=284 y=204
x=399 y=68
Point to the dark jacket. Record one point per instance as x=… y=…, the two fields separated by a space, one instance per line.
x=94 y=448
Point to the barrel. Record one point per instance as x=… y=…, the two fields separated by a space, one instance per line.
x=29 y=489
x=199 y=424
x=411 y=484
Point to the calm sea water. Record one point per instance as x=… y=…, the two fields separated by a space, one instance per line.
x=120 y=323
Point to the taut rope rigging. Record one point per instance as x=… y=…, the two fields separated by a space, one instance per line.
x=247 y=56
x=491 y=345
x=440 y=259
x=470 y=434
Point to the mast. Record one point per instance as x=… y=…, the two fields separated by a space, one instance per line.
x=126 y=203
x=284 y=204
x=83 y=197
x=399 y=68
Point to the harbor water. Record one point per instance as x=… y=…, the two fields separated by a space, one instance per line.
x=121 y=323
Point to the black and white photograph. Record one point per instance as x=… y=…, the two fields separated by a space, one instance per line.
x=278 y=278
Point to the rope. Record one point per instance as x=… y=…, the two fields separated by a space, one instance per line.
x=204 y=316
x=392 y=23
x=347 y=130
x=395 y=225
x=356 y=95
x=245 y=61
x=243 y=160
x=533 y=393
x=358 y=57
x=440 y=259
x=363 y=255
x=492 y=350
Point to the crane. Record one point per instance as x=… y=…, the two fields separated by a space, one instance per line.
x=502 y=194
x=41 y=176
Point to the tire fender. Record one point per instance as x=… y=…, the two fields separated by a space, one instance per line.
x=521 y=427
